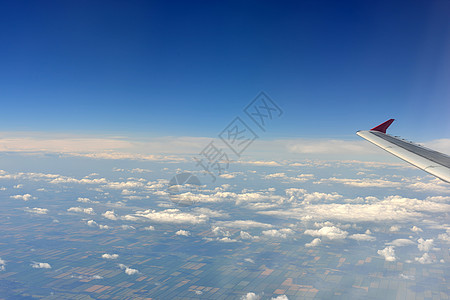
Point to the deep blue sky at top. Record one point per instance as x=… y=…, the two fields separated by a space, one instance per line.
x=186 y=68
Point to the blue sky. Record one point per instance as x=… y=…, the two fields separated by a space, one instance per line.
x=188 y=68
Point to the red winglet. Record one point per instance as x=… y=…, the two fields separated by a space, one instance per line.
x=382 y=127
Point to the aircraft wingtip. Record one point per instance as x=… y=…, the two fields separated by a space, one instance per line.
x=383 y=126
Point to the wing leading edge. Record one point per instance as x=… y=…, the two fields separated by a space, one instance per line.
x=433 y=162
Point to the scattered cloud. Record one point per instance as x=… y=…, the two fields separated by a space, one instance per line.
x=251 y=296
x=278 y=233
x=362 y=237
x=388 y=253
x=2 y=265
x=24 y=197
x=315 y=242
x=183 y=232
x=246 y=236
x=88 y=210
x=41 y=265
x=330 y=232
x=109 y=214
x=424 y=259
x=425 y=245
x=86 y=200
x=128 y=271
x=249 y=260
x=401 y=243
x=172 y=215
x=36 y=210
x=416 y=229
x=243 y=224
x=110 y=256
x=281 y=297
x=394 y=228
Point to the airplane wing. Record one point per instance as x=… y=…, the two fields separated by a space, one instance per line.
x=433 y=162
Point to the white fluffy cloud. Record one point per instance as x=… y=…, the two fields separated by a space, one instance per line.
x=24 y=197
x=41 y=265
x=278 y=233
x=243 y=224
x=388 y=209
x=219 y=231
x=330 y=232
x=388 y=253
x=109 y=214
x=425 y=245
x=315 y=242
x=128 y=271
x=250 y=296
x=416 y=229
x=86 y=200
x=36 y=210
x=281 y=297
x=424 y=259
x=362 y=237
x=401 y=243
x=2 y=265
x=183 y=232
x=88 y=210
x=394 y=228
x=172 y=215
x=246 y=236
x=110 y=256
x=92 y=223
x=127 y=227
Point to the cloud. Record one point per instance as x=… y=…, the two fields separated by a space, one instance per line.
x=269 y=163
x=149 y=228
x=219 y=231
x=88 y=210
x=109 y=214
x=172 y=215
x=127 y=227
x=416 y=229
x=394 y=228
x=362 y=237
x=401 y=243
x=24 y=197
x=183 y=232
x=86 y=200
x=275 y=175
x=388 y=209
x=243 y=224
x=424 y=259
x=92 y=223
x=2 y=265
x=110 y=256
x=315 y=242
x=425 y=245
x=366 y=182
x=388 y=253
x=41 y=265
x=250 y=296
x=36 y=210
x=330 y=232
x=246 y=236
x=249 y=260
x=445 y=236
x=328 y=146
x=128 y=271
x=281 y=297
x=280 y=233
